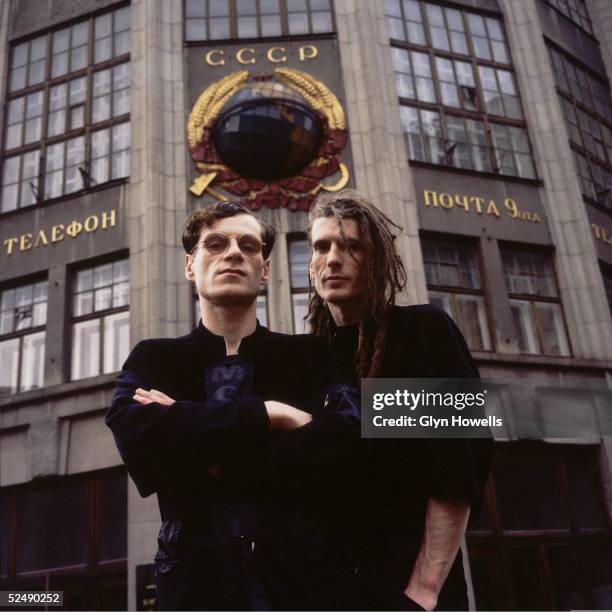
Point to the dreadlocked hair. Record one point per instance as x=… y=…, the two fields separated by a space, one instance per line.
x=384 y=274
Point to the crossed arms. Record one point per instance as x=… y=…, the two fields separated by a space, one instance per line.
x=155 y=434
x=282 y=416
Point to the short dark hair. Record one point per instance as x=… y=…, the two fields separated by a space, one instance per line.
x=222 y=210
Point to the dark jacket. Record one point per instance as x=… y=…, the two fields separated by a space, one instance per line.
x=225 y=481
x=402 y=474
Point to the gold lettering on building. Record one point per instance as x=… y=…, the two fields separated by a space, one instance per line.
x=307 y=52
x=242 y=60
x=212 y=59
x=9 y=243
x=602 y=234
x=41 y=239
x=430 y=196
x=492 y=208
x=109 y=219
x=462 y=202
x=247 y=55
x=511 y=207
x=91 y=223
x=74 y=229
x=58 y=232
x=274 y=58
x=446 y=200
x=476 y=204
x=25 y=242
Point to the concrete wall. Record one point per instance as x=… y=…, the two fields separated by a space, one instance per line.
x=61 y=435
x=160 y=300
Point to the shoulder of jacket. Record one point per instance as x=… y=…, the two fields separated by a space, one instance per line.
x=418 y=313
x=295 y=342
x=161 y=345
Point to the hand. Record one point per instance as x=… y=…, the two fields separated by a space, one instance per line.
x=285 y=417
x=426 y=600
x=142 y=396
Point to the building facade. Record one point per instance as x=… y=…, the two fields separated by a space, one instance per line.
x=483 y=127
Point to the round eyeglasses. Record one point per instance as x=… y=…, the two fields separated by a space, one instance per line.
x=218 y=242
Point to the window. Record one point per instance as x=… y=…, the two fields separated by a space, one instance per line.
x=23 y=316
x=262 y=307
x=460 y=104
x=534 y=302
x=299 y=260
x=606 y=273
x=564 y=528
x=100 y=319
x=227 y=19
x=500 y=92
x=575 y=11
x=69 y=130
x=587 y=108
x=453 y=280
x=595 y=180
x=82 y=552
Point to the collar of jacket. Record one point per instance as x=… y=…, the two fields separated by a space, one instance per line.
x=215 y=345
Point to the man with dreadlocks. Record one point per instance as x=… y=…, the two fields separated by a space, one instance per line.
x=418 y=494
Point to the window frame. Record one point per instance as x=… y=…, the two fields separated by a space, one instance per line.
x=455 y=293
x=48 y=138
x=577 y=110
x=232 y=17
x=606 y=275
x=532 y=300
x=94 y=567
x=32 y=330
x=298 y=291
x=557 y=4
x=481 y=113
x=95 y=315
x=497 y=542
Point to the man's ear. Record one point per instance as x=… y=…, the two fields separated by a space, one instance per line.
x=265 y=271
x=189 y=275
x=311 y=272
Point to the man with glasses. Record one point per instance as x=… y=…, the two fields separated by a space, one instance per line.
x=224 y=424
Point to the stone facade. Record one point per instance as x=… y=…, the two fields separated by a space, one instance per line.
x=58 y=430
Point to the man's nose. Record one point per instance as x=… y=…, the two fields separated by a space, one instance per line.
x=335 y=255
x=233 y=250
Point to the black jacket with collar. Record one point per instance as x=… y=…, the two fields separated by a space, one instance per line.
x=169 y=450
x=220 y=473
x=401 y=474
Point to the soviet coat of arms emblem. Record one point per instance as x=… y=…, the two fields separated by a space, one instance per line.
x=268 y=140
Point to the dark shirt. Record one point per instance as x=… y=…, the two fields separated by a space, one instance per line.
x=222 y=476
x=401 y=475
x=228 y=380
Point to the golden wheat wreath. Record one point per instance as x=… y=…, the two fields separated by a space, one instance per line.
x=213 y=98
